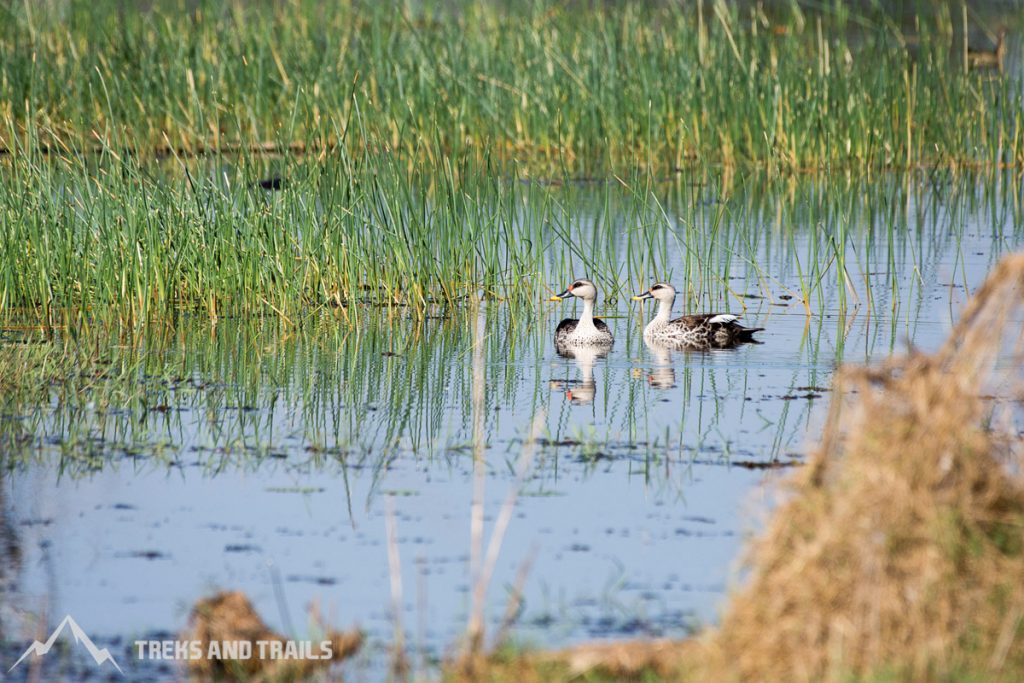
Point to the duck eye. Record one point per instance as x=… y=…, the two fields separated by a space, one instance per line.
x=656 y=287
x=577 y=284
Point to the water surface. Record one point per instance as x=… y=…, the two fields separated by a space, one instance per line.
x=248 y=455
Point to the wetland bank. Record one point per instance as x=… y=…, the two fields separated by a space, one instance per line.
x=273 y=284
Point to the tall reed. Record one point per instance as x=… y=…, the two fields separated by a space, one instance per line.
x=554 y=88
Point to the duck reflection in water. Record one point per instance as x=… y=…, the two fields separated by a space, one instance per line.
x=663 y=375
x=582 y=391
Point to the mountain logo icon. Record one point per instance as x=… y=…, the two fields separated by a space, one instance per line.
x=99 y=655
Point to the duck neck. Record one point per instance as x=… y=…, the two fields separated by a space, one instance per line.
x=586 y=322
x=661 y=319
x=664 y=311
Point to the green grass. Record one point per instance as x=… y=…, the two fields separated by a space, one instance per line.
x=577 y=88
x=87 y=240
x=413 y=129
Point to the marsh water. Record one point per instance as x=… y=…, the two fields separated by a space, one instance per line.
x=263 y=457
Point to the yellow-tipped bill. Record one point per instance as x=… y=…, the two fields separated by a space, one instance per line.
x=641 y=297
x=563 y=295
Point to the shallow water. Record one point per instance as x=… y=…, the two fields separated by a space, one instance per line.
x=250 y=457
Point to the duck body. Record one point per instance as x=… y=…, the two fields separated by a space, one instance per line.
x=706 y=329
x=573 y=332
x=700 y=331
x=585 y=330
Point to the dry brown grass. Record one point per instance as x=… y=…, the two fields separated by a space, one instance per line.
x=899 y=549
x=229 y=616
x=900 y=545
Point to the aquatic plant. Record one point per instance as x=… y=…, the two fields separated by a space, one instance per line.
x=361 y=156
x=122 y=239
x=558 y=90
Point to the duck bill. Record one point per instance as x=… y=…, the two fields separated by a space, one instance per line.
x=641 y=297
x=559 y=297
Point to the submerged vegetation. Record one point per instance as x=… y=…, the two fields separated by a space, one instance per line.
x=355 y=397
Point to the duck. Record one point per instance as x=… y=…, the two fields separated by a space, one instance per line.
x=587 y=330
x=700 y=331
x=988 y=58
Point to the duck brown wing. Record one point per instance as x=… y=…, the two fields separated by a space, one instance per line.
x=693 y=322
x=599 y=324
x=720 y=327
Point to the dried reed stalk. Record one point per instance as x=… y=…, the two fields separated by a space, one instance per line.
x=902 y=543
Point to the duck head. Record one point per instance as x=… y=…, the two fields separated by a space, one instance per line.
x=662 y=291
x=580 y=288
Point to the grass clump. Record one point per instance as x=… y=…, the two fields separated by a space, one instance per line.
x=901 y=547
x=229 y=617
